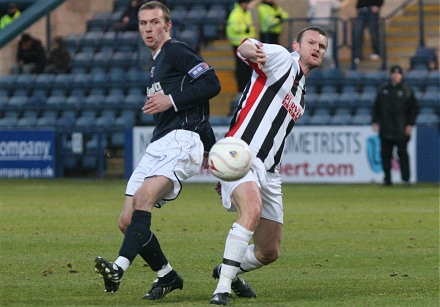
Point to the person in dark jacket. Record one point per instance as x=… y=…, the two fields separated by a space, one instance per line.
x=129 y=19
x=394 y=114
x=31 y=57
x=59 y=57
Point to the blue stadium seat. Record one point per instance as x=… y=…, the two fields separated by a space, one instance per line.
x=134 y=101
x=81 y=62
x=91 y=41
x=340 y=119
x=56 y=101
x=191 y=37
x=100 y=61
x=108 y=41
x=17 y=101
x=128 y=41
x=320 y=119
x=426 y=119
x=99 y=22
x=197 y=14
x=73 y=42
x=361 y=119
x=27 y=122
x=45 y=122
x=6 y=82
x=375 y=78
x=94 y=100
x=146 y=119
x=7 y=122
x=113 y=100
x=216 y=13
x=430 y=98
x=331 y=77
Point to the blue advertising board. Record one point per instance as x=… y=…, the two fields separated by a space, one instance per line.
x=27 y=154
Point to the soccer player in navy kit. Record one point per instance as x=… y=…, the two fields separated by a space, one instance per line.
x=178 y=93
x=267 y=111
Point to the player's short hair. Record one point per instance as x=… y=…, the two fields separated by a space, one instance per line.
x=151 y=5
x=311 y=28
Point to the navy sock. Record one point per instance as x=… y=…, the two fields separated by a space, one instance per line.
x=137 y=234
x=152 y=254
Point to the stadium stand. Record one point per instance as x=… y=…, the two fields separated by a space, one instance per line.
x=105 y=89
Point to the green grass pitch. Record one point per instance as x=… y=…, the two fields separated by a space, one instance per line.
x=343 y=245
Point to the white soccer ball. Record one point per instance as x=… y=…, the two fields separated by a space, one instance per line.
x=230 y=159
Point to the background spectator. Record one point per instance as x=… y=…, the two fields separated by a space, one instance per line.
x=321 y=13
x=238 y=27
x=394 y=115
x=12 y=14
x=368 y=13
x=129 y=19
x=59 y=57
x=31 y=57
x=270 y=18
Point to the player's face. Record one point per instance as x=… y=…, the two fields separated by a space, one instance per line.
x=311 y=49
x=153 y=28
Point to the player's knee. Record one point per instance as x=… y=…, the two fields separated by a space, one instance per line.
x=123 y=223
x=267 y=255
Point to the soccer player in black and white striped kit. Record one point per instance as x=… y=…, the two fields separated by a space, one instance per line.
x=270 y=106
x=178 y=93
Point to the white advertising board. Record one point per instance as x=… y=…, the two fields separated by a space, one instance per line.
x=316 y=154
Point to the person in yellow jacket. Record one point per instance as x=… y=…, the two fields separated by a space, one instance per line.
x=12 y=14
x=270 y=18
x=240 y=26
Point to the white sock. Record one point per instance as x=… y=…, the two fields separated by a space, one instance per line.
x=249 y=261
x=123 y=263
x=164 y=270
x=235 y=249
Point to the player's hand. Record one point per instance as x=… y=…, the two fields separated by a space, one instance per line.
x=157 y=103
x=260 y=56
x=218 y=188
x=205 y=163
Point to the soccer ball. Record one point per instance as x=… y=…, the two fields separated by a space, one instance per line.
x=230 y=159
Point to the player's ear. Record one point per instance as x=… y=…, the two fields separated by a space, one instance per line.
x=295 y=46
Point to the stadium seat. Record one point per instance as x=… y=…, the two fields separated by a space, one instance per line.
x=84 y=122
x=100 y=61
x=8 y=122
x=45 y=122
x=320 y=119
x=361 y=119
x=99 y=22
x=197 y=14
x=56 y=101
x=81 y=62
x=134 y=101
x=94 y=100
x=91 y=41
x=430 y=98
x=146 y=119
x=128 y=41
x=73 y=42
x=374 y=77
x=17 y=101
x=27 y=122
x=353 y=78
x=340 y=119
x=6 y=82
x=426 y=119
x=117 y=139
x=331 y=77
x=113 y=100
x=191 y=37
